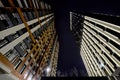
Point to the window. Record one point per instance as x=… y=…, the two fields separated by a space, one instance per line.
x=29 y=39
x=26 y=54
x=109 y=50
x=109 y=68
x=30 y=15
x=22 y=69
x=113 y=33
x=24 y=30
x=98 y=46
x=17 y=18
x=39 y=60
x=104 y=37
x=19 y=32
x=37 y=33
x=97 y=39
x=15 y=35
x=4 y=24
x=106 y=73
x=3 y=42
x=34 y=68
x=25 y=15
x=37 y=47
x=34 y=14
x=5 y=3
x=27 y=43
x=11 y=54
x=110 y=60
x=17 y=63
x=118 y=74
x=31 y=64
x=15 y=59
x=29 y=59
x=115 y=44
x=95 y=31
x=34 y=52
x=23 y=46
x=116 y=56
x=34 y=35
x=103 y=28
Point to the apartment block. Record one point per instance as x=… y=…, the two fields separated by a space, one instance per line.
x=99 y=43
x=29 y=43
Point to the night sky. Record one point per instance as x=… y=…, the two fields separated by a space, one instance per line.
x=69 y=55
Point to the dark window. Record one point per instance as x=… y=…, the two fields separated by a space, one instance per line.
x=110 y=60
x=23 y=4
x=92 y=22
x=31 y=64
x=95 y=31
x=116 y=56
x=16 y=3
x=115 y=44
x=28 y=3
x=106 y=72
x=19 y=32
x=103 y=36
x=5 y=3
x=29 y=59
x=37 y=47
x=97 y=39
x=109 y=50
x=24 y=30
x=34 y=68
x=109 y=68
x=100 y=26
x=34 y=52
x=4 y=22
x=98 y=47
x=113 y=32
x=118 y=74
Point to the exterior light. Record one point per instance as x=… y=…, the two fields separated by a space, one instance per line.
x=101 y=65
x=48 y=69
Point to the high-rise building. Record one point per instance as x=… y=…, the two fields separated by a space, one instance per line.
x=29 y=43
x=99 y=42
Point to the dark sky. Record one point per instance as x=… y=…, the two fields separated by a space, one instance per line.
x=69 y=55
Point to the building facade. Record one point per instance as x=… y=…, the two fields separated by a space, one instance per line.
x=28 y=40
x=99 y=43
